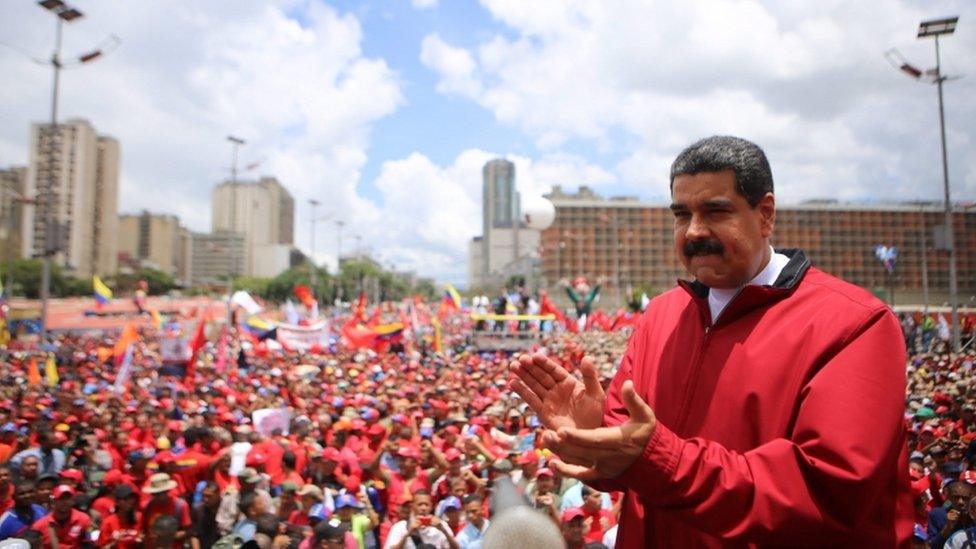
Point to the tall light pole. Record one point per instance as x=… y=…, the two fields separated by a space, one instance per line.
x=936 y=28
x=232 y=273
x=339 y=225
x=313 y=203
x=52 y=235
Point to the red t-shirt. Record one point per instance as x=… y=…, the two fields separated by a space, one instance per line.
x=126 y=535
x=596 y=531
x=399 y=490
x=70 y=534
x=173 y=507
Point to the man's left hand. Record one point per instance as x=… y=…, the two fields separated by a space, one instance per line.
x=604 y=452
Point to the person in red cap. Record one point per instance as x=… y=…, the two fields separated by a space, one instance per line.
x=65 y=527
x=574 y=528
x=408 y=479
x=122 y=529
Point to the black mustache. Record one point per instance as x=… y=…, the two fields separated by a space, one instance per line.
x=692 y=248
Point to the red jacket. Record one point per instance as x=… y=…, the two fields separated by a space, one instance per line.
x=779 y=425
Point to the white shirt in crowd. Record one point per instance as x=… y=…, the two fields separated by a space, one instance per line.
x=428 y=534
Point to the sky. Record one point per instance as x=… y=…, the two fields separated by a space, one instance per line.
x=385 y=111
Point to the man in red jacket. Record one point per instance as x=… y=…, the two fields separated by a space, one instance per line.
x=759 y=404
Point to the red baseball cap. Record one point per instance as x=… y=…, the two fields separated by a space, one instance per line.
x=545 y=472
x=409 y=452
x=62 y=490
x=72 y=474
x=574 y=513
x=452 y=454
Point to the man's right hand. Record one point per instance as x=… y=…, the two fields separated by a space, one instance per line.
x=559 y=398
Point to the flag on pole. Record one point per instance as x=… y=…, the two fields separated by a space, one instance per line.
x=127 y=338
x=103 y=294
x=51 y=371
x=455 y=297
x=33 y=374
x=196 y=343
x=438 y=336
x=125 y=370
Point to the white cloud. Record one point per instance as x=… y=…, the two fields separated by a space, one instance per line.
x=424 y=4
x=431 y=212
x=455 y=66
x=289 y=77
x=809 y=84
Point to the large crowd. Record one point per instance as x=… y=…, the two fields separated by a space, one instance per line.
x=393 y=448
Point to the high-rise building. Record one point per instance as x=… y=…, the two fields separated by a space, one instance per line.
x=214 y=256
x=106 y=202
x=630 y=244
x=155 y=241
x=73 y=175
x=13 y=183
x=263 y=212
x=505 y=243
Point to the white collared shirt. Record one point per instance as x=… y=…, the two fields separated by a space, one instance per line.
x=719 y=298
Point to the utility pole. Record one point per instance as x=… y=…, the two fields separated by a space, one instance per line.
x=949 y=229
x=233 y=273
x=339 y=225
x=312 y=202
x=52 y=233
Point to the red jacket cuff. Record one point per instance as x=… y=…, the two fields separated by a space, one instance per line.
x=653 y=471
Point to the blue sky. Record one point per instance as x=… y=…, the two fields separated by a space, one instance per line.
x=386 y=110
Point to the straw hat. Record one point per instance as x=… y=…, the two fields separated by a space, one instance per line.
x=160 y=482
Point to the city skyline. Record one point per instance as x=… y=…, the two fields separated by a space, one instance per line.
x=388 y=111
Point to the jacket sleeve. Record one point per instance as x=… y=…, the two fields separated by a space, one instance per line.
x=842 y=455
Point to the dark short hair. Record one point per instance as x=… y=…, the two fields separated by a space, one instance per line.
x=753 y=178
x=472 y=498
x=247 y=501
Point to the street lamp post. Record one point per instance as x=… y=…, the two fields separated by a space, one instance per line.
x=52 y=235
x=339 y=225
x=236 y=143
x=936 y=28
x=313 y=203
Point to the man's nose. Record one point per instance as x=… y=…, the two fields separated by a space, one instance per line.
x=697 y=228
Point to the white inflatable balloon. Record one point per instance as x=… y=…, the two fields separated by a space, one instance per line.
x=538 y=213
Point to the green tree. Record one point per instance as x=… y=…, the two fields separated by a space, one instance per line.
x=159 y=281
x=252 y=285
x=282 y=287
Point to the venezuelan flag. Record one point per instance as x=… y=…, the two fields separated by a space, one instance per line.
x=103 y=294
x=453 y=294
x=259 y=328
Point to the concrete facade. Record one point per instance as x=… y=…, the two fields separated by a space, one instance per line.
x=74 y=175
x=13 y=184
x=262 y=211
x=154 y=241
x=214 y=256
x=631 y=244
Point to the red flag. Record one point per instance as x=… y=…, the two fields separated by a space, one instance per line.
x=359 y=311
x=358 y=336
x=33 y=374
x=196 y=343
x=304 y=294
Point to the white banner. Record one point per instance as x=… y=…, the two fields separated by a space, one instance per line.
x=302 y=338
x=267 y=420
x=244 y=300
x=174 y=349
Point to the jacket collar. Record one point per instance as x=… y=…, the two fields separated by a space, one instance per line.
x=751 y=296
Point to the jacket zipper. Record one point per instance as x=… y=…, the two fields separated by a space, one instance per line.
x=697 y=366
